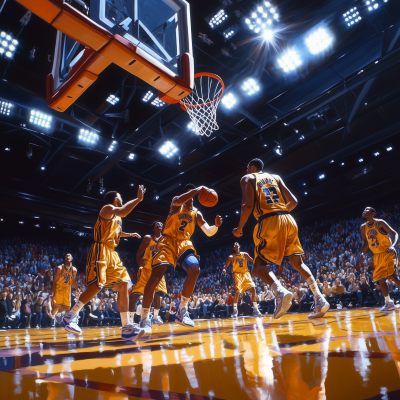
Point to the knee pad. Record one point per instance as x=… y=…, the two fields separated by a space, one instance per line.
x=190 y=261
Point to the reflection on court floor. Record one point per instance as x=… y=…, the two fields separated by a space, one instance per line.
x=347 y=355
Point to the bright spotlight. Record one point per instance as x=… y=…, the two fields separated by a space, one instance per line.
x=322 y=176
x=157 y=103
x=193 y=128
x=8 y=45
x=216 y=18
x=229 y=100
x=168 y=149
x=352 y=16
x=261 y=17
x=268 y=35
x=113 y=145
x=389 y=148
x=88 y=137
x=148 y=96
x=5 y=108
x=376 y=154
x=289 y=61
x=113 y=100
x=131 y=156
x=360 y=160
x=318 y=41
x=40 y=119
x=250 y=86
x=231 y=31
x=278 y=150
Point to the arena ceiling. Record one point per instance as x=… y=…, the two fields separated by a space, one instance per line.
x=336 y=119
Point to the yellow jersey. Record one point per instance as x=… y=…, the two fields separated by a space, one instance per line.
x=239 y=264
x=181 y=223
x=268 y=196
x=378 y=240
x=150 y=252
x=65 y=279
x=108 y=231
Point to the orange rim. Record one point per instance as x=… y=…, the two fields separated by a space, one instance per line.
x=183 y=104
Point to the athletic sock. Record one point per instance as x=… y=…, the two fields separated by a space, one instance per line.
x=124 y=318
x=255 y=305
x=184 y=301
x=234 y=306
x=132 y=317
x=145 y=313
x=387 y=299
x=75 y=309
x=313 y=286
x=277 y=284
x=156 y=313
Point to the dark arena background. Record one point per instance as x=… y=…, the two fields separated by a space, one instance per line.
x=89 y=103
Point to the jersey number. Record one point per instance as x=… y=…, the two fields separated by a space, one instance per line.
x=240 y=263
x=66 y=280
x=183 y=226
x=271 y=194
x=153 y=253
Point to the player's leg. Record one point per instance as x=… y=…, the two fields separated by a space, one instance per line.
x=256 y=312
x=133 y=298
x=235 y=304
x=321 y=305
x=157 y=305
x=192 y=267
x=389 y=304
x=384 y=268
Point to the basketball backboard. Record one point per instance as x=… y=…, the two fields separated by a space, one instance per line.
x=150 y=39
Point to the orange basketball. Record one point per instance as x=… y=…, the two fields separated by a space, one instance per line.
x=208 y=197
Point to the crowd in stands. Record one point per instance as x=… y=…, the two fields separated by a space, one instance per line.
x=332 y=252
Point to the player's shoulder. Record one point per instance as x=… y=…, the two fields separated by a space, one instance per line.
x=248 y=177
x=74 y=269
x=59 y=267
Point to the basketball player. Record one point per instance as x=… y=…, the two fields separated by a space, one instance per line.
x=104 y=268
x=146 y=252
x=175 y=247
x=242 y=278
x=60 y=293
x=275 y=234
x=375 y=233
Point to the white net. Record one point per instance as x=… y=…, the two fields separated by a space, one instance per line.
x=202 y=104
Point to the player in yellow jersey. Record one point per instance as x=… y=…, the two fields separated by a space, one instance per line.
x=176 y=248
x=60 y=293
x=275 y=234
x=375 y=234
x=104 y=268
x=147 y=250
x=242 y=277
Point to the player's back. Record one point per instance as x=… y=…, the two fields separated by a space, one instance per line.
x=65 y=279
x=239 y=264
x=378 y=240
x=150 y=252
x=181 y=223
x=268 y=196
x=108 y=231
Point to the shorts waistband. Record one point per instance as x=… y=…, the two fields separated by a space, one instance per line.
x=105 y=244
x=272 y=214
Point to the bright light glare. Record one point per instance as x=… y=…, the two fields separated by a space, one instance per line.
x=131 y=156
x=229 y=100
x=218 y=18
x=40 y=119
x=322 y=176
x=157 y=103
x=193 y=128
x=289 y=61
x=87 y=136
x=268 y=35
x=5 y=108
x=113 y=100
x=168 y=149
x=318 y=41
x=148 y=96
x=250 y=86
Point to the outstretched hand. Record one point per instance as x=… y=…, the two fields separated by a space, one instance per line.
x=135 y=235
x=237 y=232
x=141 y=192
x=218 y=221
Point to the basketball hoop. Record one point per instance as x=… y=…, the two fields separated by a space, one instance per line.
x=202 y=103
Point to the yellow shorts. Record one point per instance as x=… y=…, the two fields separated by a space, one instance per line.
x=62 y=297
x=141 y=283
x=104 y=267
x=243 y=282
x=385 y=265
x=276 y=237
x=172 y=251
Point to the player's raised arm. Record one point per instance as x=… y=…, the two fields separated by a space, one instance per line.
x=55 y=279
x=185 y=197
x=227 y=262
x=142 y=249
x=388 y=229
x=135 y=235
x=109 y=210
x=247 y=184
x=291 y=201
x=207 y=229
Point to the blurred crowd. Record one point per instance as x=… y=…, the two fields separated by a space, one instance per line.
x=332 y=252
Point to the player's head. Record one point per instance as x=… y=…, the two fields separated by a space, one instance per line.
x=369 y=212
x=113 y=198
x=255 y=165
x=236 y=247
x=189 y=186
x=68 y=258
x=157 y=227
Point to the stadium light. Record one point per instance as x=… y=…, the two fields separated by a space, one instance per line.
x=376 y=153
x=322 y=176
x=168 y=149
x=305 y=192
x=229 y=100
x=113 y=100
x=372 y=4
x=231 y=31
x=21 y=222
x=278 y=150
x=157 y=102
x=40 y=119
x=216 y=18
x=8 y=45
x=360 y=160
x=262 y=19
x=88 y=137
x=342 y=164
x=131 y=156
x=250 y=86
x=148 y=96
x=319 y=40
x=389 y=147
x=112 y=145
x=352 y=16
x=289 y=61
x=5 y=108
x=193 y=128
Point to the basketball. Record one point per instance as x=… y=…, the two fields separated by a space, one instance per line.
x=208 y=197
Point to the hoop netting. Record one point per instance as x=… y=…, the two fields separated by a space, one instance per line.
x=202 y=104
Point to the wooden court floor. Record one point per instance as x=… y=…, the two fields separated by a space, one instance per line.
x=347 y=355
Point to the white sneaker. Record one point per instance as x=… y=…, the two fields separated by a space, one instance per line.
x=70 y=323
x=145 y=326
x=389 y=306
x=283 y=300
x=131 y=332
x=182 y=318
x=157 y=321
x=320 y=308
